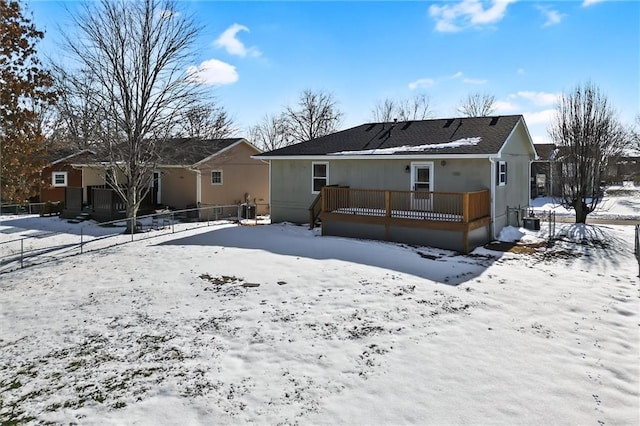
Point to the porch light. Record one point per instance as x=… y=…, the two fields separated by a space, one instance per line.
x=407 y=169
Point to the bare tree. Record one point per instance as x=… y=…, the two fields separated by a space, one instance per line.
x=417 y=107
x=316 y=114
x=634 y=133
x=206 y=121
x=78 y=119
x=270 y=133
x=136 y=54
x=587 y=134
x=384 y=111
x=477 y=105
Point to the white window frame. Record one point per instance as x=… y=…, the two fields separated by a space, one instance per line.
x=221 y=177
x=314 y=177
x=63 y=174
x=502 y=175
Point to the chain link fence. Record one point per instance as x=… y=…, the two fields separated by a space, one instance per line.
x=33 y=248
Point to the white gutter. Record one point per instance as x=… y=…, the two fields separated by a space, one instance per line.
x=492 y=160
x=270 y=205
x=373 y=157
x=198 y=187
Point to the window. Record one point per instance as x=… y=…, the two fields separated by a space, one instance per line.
x=216 y=177
x=59 y=178
x=502 y=173
x=320 y=176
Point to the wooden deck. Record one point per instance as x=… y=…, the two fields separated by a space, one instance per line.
x=459 y=212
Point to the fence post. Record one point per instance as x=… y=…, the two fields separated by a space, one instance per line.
x=81 y=237
x=172 y=231
x=21 y=253
x=637 y=247
x=132 y=226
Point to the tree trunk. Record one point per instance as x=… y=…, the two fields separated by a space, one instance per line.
x=132 y=210
x=581 y=210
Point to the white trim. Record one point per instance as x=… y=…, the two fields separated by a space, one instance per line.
x=198 y=187
x=270 y=190
x=75 y=154
x=221 y=177
x=492 y=202
x=500 y=174
x=415 y=164
x=241 y=140
x=59 y=185
x=374 y=157
x=420 y=203
x=313 y=177
x=531 y=145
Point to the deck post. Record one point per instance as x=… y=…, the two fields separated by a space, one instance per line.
x=387 y=203
x=323 y=199
x=465 y=207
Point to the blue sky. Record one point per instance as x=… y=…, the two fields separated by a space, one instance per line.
x=260 y=55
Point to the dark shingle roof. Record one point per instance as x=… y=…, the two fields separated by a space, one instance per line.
x=479 y=135
x=190 y=151
x=69 y=155
x=544 y=150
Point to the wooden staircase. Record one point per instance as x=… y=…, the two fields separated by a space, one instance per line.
x=314 y=211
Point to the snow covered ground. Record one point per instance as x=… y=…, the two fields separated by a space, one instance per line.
x=619 y=202
x=273 y=324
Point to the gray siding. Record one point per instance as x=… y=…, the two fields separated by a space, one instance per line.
x=518 y=154
x=291 y=193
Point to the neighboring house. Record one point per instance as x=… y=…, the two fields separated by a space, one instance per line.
x=193 y=172
x=59 y=173
x=545 y=172
x=446 y=183
x=623 y=168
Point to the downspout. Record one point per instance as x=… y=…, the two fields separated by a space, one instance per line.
x=492 y=161
x=270 y=205
x=198 y=187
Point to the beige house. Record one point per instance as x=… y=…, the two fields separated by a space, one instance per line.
x=211 y=172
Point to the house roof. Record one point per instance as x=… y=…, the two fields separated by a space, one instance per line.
x=187 y=151
x=68 y=154
x=453 y=136
x=545 y=151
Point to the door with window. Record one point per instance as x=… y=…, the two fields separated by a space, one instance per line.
x=421 y=184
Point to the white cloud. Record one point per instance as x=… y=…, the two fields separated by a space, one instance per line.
x=540 y=117
x=473 y=81
x=457 y=75
x=505 y=107
x=586 y=3
x=421 y=83
x=468 y=13
x=228 y=40
x=553 y=17
x=213 y=72
x=538 y=98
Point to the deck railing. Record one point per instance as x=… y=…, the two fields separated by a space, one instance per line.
x=461 y=207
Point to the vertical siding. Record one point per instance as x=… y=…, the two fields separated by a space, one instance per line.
x=291 y=193
x=518 y=154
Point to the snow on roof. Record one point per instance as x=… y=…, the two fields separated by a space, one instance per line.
x=416 y=148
